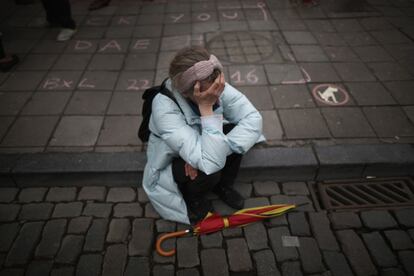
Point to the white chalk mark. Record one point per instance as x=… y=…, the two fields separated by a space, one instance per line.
x=290 y=56
x=177 y=18
x=307 y=76
x=328 y=95
x=203 y=17
x=262 y=6
x=113 y=44
x=124 y=21
x=231 y=17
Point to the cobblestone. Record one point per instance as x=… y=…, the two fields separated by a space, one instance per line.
x=214 y=262
x=407 y=258
x=8 y=194
x=24 y=244
x=115 y=260
x=89 y=265
x=118 y=230
x=337 y=263
x=295 y=188
x=150 y=211
x=238 y=255
x=57 y=194
x=265 y=263
x=51 y=238
x=28 y=195
x=320 y=227
x=39 y=268
x=9 y=212
x=142 y=236
x=142 y=196
x=165 y=226
x=188 y=272
x=304 y=201
x=95 y=237
x=92 y=193
x=100 y=210
x=212 y=240
x=8 y=232
x=282 y=253
x=135 y=264
x=121 y=195
x=266 y=188
x=299 y=226
x=399 y=239
x=65 y=210
x=405 y=217
x=63 y=271
x=378 y=220
x=122 y=210
x=345 y=220
x=70 y=250
x=356 y=253
x=310 y=256
x=256 y=236
x=79 y=225
x=163 y=270
x=380 y=252
x=291 y=268
x=36 y=211
x=187 y=248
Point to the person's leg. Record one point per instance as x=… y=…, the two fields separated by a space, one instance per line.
x=6 y=61
x=58 y=12
x=224 y=189
x=97 y=4
x=194 y=190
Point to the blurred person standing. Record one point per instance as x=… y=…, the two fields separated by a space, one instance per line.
x=58 y=13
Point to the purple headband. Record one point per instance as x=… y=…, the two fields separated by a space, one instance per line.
x=199 y=71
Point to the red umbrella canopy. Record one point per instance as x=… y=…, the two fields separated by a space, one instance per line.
x=215 y=222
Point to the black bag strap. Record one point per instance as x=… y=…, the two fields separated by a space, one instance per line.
x=166 y=92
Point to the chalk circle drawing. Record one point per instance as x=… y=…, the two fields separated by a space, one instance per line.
x=330 y=94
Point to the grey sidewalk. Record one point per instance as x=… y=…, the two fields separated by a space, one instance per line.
x=97 y=230
x=319 y=75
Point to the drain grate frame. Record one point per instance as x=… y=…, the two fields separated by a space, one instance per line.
x=366 y=193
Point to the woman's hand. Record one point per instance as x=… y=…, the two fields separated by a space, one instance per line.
x=207 y=98
x=190 y=171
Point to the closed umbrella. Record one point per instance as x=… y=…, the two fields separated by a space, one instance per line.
x=215 y=222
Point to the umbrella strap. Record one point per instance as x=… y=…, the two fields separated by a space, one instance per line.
x=171 y=252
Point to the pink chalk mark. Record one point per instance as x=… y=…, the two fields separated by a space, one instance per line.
x=83 y=84
x=124 y=21
x=142 y=44
x=51 y=83
x=82 y=45
x=113 y=44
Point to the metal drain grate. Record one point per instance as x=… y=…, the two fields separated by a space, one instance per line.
x=368 y=193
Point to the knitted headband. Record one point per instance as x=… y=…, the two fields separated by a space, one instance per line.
x=199 y=71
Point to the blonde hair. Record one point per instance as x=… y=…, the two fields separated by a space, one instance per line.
x=186 y=58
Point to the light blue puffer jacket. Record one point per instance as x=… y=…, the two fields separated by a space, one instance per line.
x=200 y=142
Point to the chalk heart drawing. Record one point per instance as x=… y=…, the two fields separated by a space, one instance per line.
x=330 y=94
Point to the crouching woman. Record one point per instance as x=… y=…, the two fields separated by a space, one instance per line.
x=197 y=146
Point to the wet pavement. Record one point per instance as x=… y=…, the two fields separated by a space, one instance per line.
x=335 y=73
x=96 y=230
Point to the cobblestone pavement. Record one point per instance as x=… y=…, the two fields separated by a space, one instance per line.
x=95 y=230
x=318 y=74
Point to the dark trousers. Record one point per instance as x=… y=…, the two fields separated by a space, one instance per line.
x=194 y=189
x=58 y=12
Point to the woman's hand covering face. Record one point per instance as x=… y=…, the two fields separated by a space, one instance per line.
x=209 y=96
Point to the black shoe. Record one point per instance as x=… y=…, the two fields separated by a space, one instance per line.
x=8 y=62
x=198 y=209
x=230 y=196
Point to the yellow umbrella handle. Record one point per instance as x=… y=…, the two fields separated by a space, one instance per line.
x=166 y=237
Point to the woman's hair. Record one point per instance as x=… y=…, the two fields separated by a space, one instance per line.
x=186 y=58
